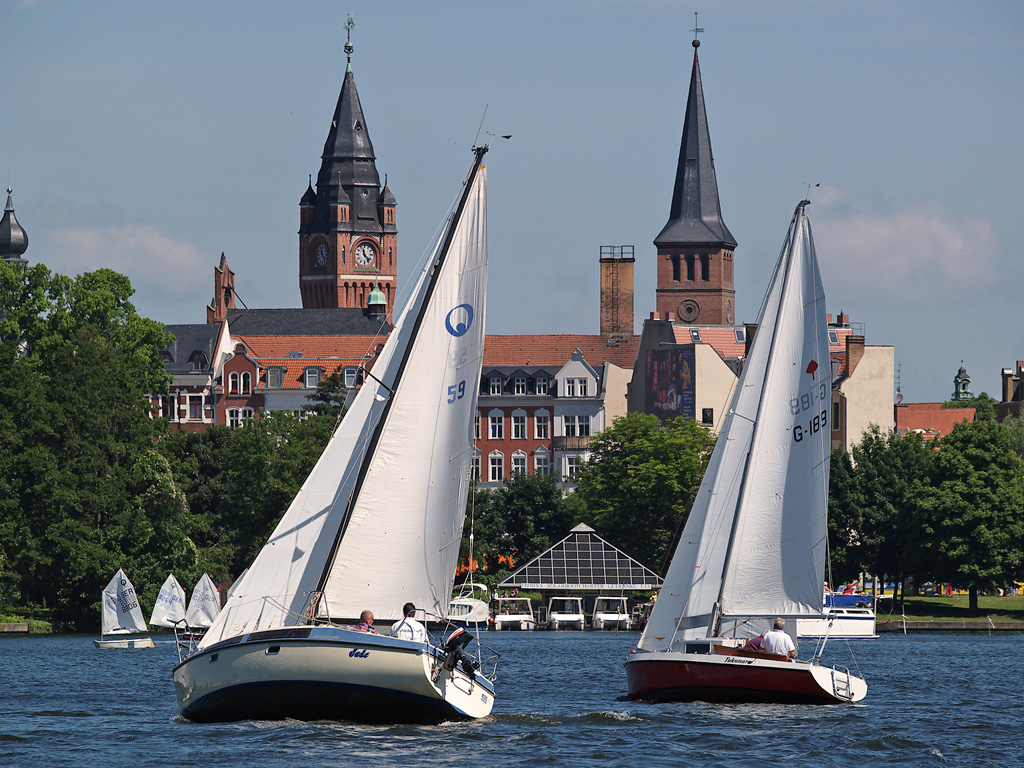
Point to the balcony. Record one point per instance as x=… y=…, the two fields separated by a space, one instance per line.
x=570 y=443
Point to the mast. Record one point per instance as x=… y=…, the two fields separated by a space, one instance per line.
x=478 y=154
x=740 y=498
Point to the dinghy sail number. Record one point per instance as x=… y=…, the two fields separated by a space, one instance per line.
x=813 y=398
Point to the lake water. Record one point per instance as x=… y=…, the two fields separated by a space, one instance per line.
x=932 y=700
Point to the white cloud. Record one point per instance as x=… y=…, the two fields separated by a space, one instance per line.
x=167 y=273
x=913 y=252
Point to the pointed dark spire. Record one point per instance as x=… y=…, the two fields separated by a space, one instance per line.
x=13 y=240
x=696 y=215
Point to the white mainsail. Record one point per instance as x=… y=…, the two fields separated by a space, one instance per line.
x=754 y=542
x=169 y=608
x=204 y=605
x=236 y=583
x=121 y=612
x=379 y=519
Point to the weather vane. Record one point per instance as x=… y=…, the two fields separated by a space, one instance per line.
x=348 y=39
x=696 y=30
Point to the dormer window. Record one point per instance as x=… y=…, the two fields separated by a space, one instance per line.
x=233 y=383
x=582 y=387
x=350 y=377
x=312 y=378
x=520 y=384
x=540 y=385
x=570 y=388
x=246 y=383
x=495 y=387
x=275 y=378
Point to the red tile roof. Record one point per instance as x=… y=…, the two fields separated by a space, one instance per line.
x=557 y=349
x=347 y=347
x=930 y=419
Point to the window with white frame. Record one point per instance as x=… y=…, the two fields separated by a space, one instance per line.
x=233 y=418
x=233 y=383
x=495 y=387
x=476 y=465
x=246 y=385
x=312 y=378
x=496 y=421
x=570 y=426
x=572 y=467
x=350 y=377
x=518 y=426
x=519 y=462
x=496 y=466
x=540 y=385
x=583 y=426
x=195 y=407
x=541 y=425
x=275 y=377
x=476 y=426
x=542 y=464
x=582 y=388
x=520 y=385
x=569 y=388
x=246 y=414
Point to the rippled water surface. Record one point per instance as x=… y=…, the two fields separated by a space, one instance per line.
x=932 y=700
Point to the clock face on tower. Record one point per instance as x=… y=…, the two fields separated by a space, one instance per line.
x=364 y=254
x=321 y=254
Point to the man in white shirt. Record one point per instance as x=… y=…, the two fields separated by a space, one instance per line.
x=408 y=628
x=777 y=641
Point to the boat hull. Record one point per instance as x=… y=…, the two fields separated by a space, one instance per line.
x=125 y=642
x=559 y=621
x=513 y=622
x=839 y=624
x=673 y=676
x=611 y=621
x=326 y=673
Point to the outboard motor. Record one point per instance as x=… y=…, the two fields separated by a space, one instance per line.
x=454 y=649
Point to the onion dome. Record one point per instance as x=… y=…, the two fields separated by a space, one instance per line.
x=13 y=240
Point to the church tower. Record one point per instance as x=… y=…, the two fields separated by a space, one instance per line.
x=347 y=234
x=695 y=248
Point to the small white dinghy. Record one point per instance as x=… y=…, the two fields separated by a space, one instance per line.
x=121 y=616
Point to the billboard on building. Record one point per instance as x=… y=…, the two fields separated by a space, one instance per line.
x=670 y=384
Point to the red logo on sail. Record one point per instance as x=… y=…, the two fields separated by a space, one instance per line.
x=812 y=367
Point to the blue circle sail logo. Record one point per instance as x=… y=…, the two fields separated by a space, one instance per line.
x=459 y=319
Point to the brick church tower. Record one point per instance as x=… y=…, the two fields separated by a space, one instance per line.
x=695 y=248
x=347 y=234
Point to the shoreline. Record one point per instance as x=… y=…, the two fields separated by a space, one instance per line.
x=949 y=625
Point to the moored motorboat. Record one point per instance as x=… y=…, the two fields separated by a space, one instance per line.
x=610 y=613
x=514 y=613
x=566 y=613
x=847 y=617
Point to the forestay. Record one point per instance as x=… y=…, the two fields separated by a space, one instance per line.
x=754 y=542
x=379 y=519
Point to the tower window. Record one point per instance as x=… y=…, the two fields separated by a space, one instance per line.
x=690 y=274
x=705 y=268
x=675 y=268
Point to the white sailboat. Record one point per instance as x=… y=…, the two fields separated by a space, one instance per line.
x=204 y=605
x=753 y=547
x=376 y=524
x=121 y=616
x=169 y=609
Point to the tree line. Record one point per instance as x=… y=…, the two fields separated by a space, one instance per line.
x=91 y=481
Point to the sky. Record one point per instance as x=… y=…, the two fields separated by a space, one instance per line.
x=151 y=137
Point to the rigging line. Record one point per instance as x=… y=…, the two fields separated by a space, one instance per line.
x=480 y=127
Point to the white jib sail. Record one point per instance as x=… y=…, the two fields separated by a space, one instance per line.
x=407 y=524
x=204 y=605
x=121 y=612
x=170 y=604
x=694 y=581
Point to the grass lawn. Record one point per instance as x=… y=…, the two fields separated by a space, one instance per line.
x=946 y=608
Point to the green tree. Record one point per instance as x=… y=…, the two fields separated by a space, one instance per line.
x=891 y=478
x=974 y=509
x=518 y=521
x=984 y=406
x=845 y=519
x=1014 y=425
x=640 y=481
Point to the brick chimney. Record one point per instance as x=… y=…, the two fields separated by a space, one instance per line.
x=854 y=352
x=617 y=289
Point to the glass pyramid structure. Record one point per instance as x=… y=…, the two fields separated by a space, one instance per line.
x=582 y=561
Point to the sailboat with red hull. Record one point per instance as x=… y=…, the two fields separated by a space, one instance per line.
x=753 y=547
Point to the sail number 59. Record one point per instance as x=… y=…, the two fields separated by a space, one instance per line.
x=457 y=391
x=814 y=425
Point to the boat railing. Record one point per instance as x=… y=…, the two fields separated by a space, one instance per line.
x=487 y=666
